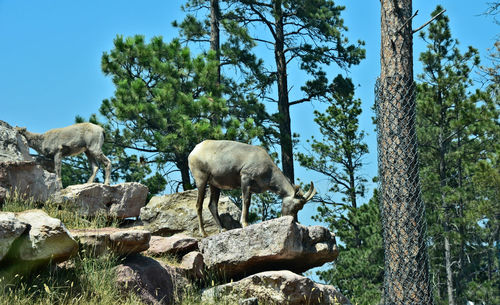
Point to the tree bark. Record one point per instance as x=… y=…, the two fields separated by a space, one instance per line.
x=283 y=101
x=406 y=272
x=215 y=33
x=183 y=167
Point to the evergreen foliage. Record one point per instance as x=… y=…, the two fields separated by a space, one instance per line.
x=338 y=155
x=166 y=102
x=458 y=133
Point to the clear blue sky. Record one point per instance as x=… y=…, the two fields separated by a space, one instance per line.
x=51 y=52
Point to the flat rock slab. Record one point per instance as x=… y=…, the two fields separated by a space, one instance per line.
x=278 y=244
x=120 y=201
x=118 y=241
x=176 y=213
x=176 y=245
x=275 y=287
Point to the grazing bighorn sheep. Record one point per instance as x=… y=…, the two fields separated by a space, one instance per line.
x=69 y=141
x=226 y=165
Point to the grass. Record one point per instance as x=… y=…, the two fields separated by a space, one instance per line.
x=68 y=214
x=84 y=280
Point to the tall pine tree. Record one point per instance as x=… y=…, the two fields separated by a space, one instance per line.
x=338 y=155
x=167 y=101
x=457 y=129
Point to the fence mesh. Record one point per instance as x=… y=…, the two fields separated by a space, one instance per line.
x=406 y=279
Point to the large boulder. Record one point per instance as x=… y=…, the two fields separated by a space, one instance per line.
x=278 y=244
x=153 y=281
x=118 y=241
x=11 y=229
x=20 y=175
x=121 y=200
x=47 y=240
x=275 y=287
x=176 y=213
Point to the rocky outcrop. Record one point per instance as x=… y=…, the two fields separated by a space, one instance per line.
x=120 y=200
x=176 y=245
x=176 y=213
x=118 y=241
x=13 y=146
x=275 y=287
x=271 y=245
x=20 y=175
x=153 y=281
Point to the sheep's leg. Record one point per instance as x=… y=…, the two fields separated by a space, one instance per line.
x=201 y=184
x=245 y=190
x=93 y=166
x=57 y=167
x=212 y=206
x=107 y=167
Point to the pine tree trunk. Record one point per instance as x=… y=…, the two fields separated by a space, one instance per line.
x=186 y=179
x=442 y=177
x=406 y=272
x=215 y=32
x=283 y=102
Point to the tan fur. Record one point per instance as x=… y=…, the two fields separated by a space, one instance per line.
x=229 y=165
x=69 y=141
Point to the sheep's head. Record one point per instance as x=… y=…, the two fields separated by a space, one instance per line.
x=293 y=204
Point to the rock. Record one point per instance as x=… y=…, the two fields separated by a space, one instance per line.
x=193 y=265
x=275 y=287
x=48 y=238
x=119 y=241
x=20 y=175
x=153 y=281
x=249 y=301
x=26 y=180
x=11 y=229
x=13 y=146
x=176 y=213
x=120 y=200
x=3 y=195
x=178 y=245
x=270 y=245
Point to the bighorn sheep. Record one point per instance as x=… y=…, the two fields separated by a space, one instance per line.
x=69 y=141
x=226 y=165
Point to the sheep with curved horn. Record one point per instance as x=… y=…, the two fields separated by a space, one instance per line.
x=226 y=165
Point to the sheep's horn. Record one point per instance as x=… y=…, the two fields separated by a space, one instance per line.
x=310 y=194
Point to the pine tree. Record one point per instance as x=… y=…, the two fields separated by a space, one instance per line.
x=457 y=131
x=338 y=156
x=167 y=101
x=306 y=33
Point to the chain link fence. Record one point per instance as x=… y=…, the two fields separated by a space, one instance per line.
x=406 y=278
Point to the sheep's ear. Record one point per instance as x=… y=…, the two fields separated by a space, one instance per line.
x=297 y=189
